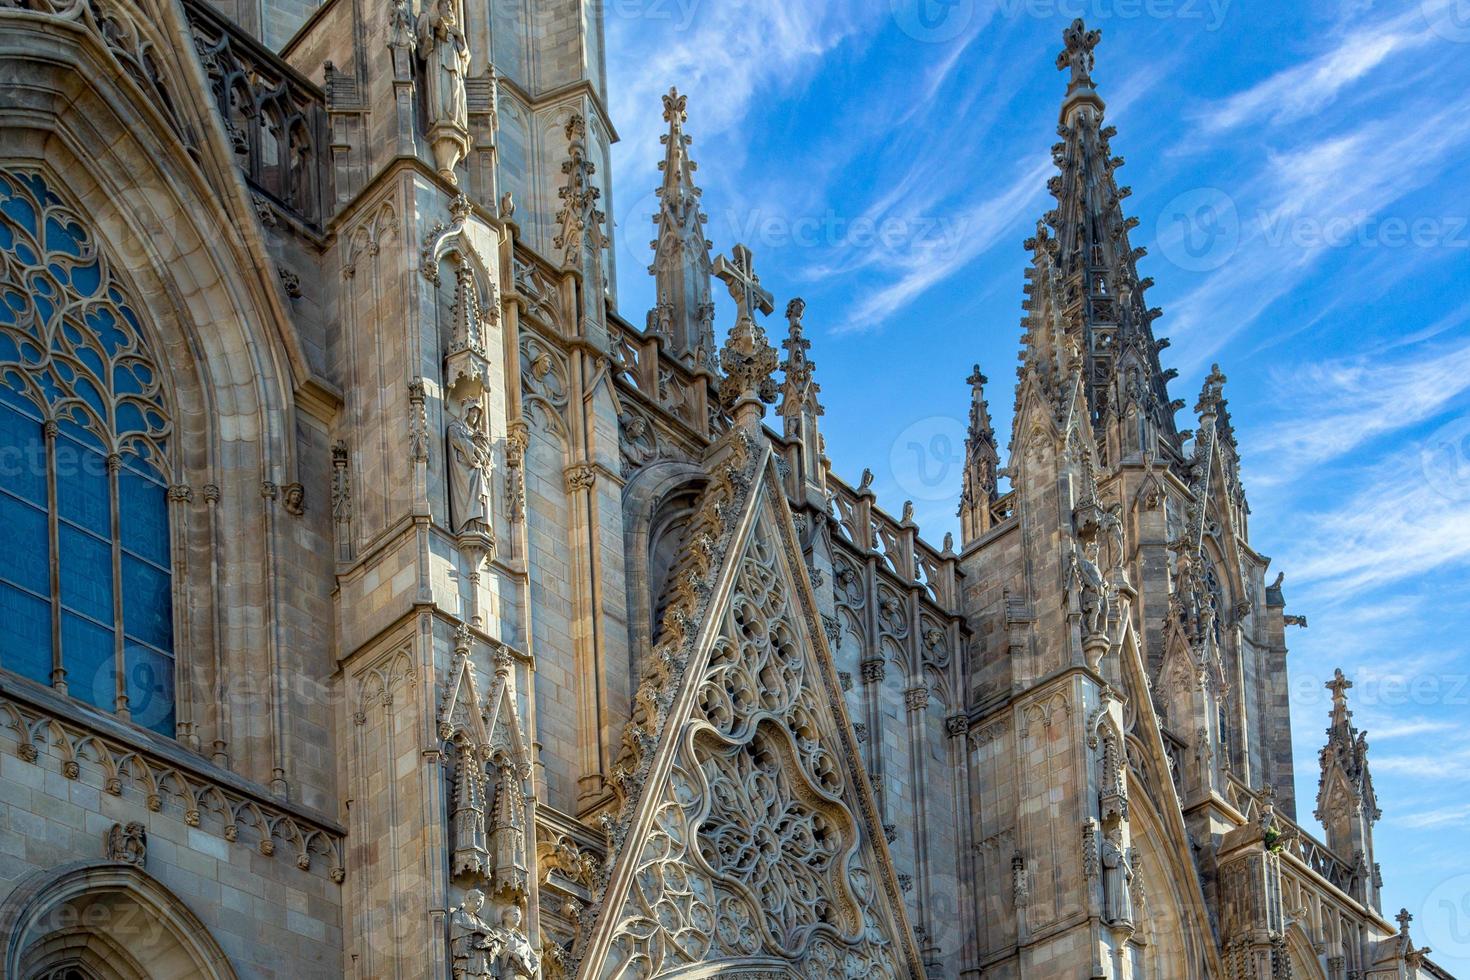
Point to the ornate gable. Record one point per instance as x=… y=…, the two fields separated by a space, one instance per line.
x=754 y=839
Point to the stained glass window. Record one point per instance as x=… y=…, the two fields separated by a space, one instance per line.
x=85 y=582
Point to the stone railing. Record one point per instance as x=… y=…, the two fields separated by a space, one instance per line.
x=1295 y=841
x=274 y=119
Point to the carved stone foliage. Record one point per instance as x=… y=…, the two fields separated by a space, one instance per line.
x=753 y=849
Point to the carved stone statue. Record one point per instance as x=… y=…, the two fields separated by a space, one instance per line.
x=470 y=944
x=128 y=843
x=514 y=957
x=1117 y=879
x=441 y=43
x=469 y=455
x=1093 y=592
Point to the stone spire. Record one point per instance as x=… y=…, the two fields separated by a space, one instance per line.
x=683 y=314
x=1346 y=803
x=580 y=236
x=982 y=464
x=1094 y=283
x=799 y=389
x=799 y=406
x=747 y=359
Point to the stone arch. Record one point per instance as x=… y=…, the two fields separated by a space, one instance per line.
x=1167 y=941
x=1305 y=964
x=179 y=226
x=657 y=504
x=114 y=919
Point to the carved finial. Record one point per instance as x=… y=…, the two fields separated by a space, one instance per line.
x=865 y=485
x=1212 y=393
x=799 y=390
x=674 y=109
x=1339 y=686
x=1076 y=54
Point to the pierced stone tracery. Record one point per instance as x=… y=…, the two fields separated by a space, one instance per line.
x=753 y=849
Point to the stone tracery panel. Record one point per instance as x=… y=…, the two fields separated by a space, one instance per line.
x=753 y=850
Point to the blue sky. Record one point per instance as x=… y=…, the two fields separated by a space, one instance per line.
x=1300 y=175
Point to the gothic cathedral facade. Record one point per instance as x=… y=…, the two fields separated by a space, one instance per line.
x=385 y=602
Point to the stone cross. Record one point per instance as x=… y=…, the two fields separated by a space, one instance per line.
x=1339 y=686
x=738 y=273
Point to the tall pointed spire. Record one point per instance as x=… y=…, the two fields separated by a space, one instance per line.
x=982 y=464
x=1094 y=289
x=799 y=389
x=1346 y=803
x=799 y=405
x=683 y=313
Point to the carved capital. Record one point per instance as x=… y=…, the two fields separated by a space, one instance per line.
x=957 y=725
x=872 y=671
x=916 y=698
x=580 y=477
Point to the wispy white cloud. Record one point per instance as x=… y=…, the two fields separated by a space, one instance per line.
x=1303 y=89
x=1330 y=407
x=1340 y=183
x=1441 y=817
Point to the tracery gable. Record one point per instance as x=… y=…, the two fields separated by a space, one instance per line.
x=755 y=836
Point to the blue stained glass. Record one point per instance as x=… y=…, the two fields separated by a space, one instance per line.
x=21 y=210
x=99 y=407
x=87 y=279
x=82 y=494
x=86 y=574
x=143 y=515
x=64 y=239
x=150 y=686
x=25 y=559
x=22 y=454
x=12 y=396
x=25 y=643
x=147 y=603
x=91 y=663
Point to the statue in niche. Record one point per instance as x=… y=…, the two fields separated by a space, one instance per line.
x=1117 y=879
x=470 y=944
x=441 y=43
x=1093 y=590
x=469 y=456
x=514 y=957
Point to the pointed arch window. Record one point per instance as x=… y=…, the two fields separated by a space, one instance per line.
x=85 y=573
